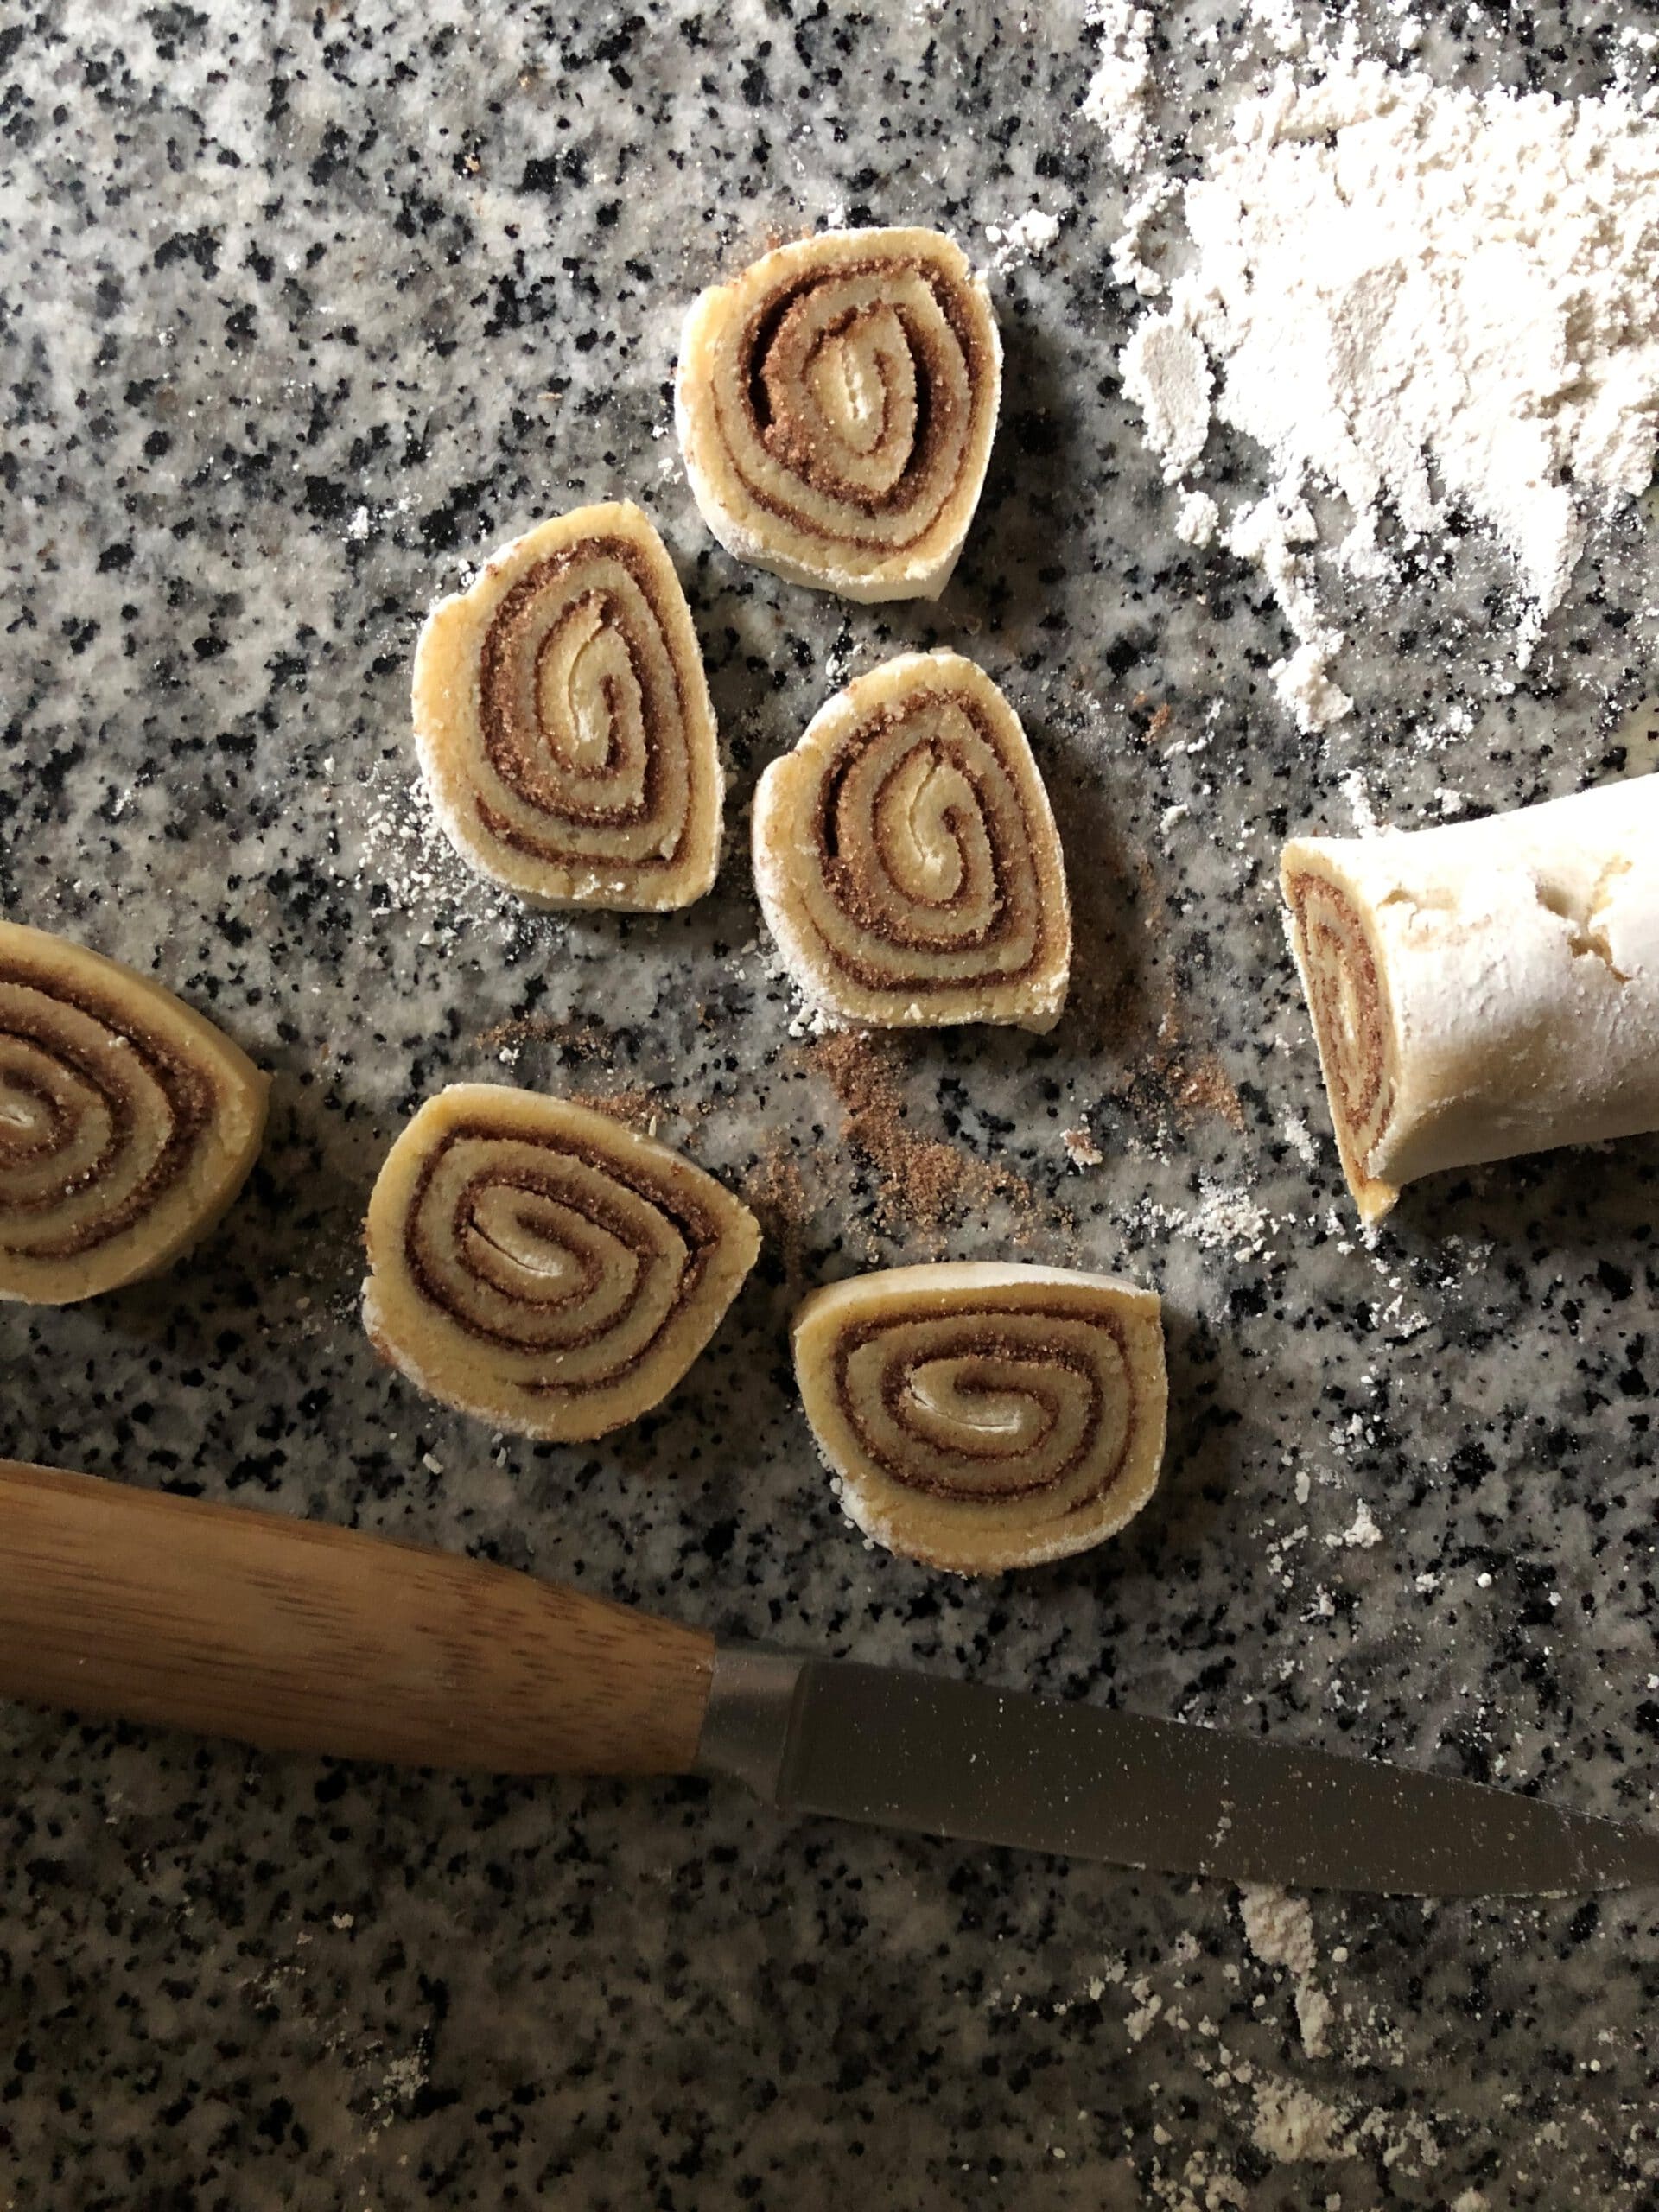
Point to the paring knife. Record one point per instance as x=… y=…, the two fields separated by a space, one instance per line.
x=297 y=1637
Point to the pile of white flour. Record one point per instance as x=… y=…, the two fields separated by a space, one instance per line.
x=1435 y=303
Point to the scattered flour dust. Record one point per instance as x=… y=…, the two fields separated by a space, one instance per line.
x=1118 y=90
x=1230 y=1220
x=1361 y=1534
x=1295 y=2127
x=1279 y=1930
x=1360 y=805
x=1436 y=303
x=1299 y=1138
x=1027 y=238
x=1197 y=519
x=1284 y=2122
x=398 y=842
x=1280 y=21
x=1222 y=1220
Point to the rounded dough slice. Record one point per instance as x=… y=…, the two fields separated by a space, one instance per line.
x=906 y=857
x=1483 y=989
x=564 y=724
x=836 y=404
x=982 y=1416
x=538 y=1266
x=128 y=1123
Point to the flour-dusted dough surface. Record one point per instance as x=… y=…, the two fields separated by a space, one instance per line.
x=128 y=1121
x=836 y=404
x=1483 y=989
x=563 y=720
x=536 y=1265
x=906 y=856
x=983 y=1415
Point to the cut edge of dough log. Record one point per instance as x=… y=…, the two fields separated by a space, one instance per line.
x=535 y=1265
x=117 y=1095
x=775 y=500
x=856 y=919
x=539 y=817
x=1031 y=1402
x=1352 y=1022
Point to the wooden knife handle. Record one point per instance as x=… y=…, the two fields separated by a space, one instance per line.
x=298 y=1637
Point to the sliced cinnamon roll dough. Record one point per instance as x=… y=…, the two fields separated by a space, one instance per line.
x=1483 y=989
x=564 y=724
x=835 y=404
x=981 y=1416
x=906 y=857
x=128 y=1123
x=536 y=1265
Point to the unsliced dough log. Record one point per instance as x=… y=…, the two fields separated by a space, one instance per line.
x=563 y=720
x=1484 y=988
x=981 y=1415
x=538 y=1266
x=906 y=857
x=128 y=1123
x=836 y=404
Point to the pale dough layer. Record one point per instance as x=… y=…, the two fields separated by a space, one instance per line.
x=906 y=857
x=128 y=1123
x=1483 y=989
x=536 y=1265
x=564 y=724
x=980 y=1416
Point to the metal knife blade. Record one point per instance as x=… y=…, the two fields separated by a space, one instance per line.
x=908 y=1750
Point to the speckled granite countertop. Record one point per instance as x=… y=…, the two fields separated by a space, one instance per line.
x=303 y=310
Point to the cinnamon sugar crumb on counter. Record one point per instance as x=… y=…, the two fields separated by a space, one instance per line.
x=1198 y=1084
x=776 y=1195
x=926 y=1183
x=521 y=1029
x=639 y=1108
x=1130 y=1012
x=1081 y=1150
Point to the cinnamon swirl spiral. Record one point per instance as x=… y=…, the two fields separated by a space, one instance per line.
x=907 y=858
x=981 y=1416
x=535 y=1264
x=836 y=406
x=564 y=724
x=128 y=1123
x=1336 y=954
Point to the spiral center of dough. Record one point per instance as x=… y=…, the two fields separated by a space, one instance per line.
x=579 y=705
x=563 y=723
x=529 y=1235
x=536 y=1264
x=27 y=1123
x=844 y=400
x=1021 y=1404
x=589 y=707
x=926 y=846
x=535 y=1246
x=920 y=813
x=973 y=1400
x=1351 y=1016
